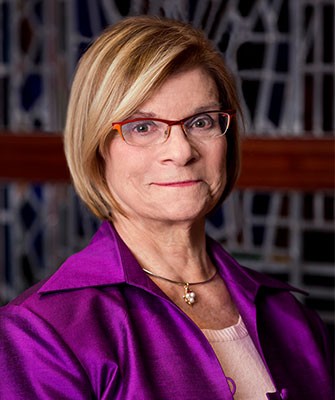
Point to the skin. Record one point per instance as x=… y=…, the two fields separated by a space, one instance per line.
x=166 y=190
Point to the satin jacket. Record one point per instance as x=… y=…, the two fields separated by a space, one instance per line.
x=99 y=328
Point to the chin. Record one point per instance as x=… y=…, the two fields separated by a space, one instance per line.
x=187 y=215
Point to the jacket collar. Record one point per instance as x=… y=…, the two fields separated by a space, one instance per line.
x=246 y=279
x=105 y=261
x=108 y=261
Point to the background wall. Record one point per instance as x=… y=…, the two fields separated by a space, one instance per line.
x=282 y=53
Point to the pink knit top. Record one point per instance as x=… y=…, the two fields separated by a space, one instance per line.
x=247 y=375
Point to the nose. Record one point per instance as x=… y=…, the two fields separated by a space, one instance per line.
x=178 y=148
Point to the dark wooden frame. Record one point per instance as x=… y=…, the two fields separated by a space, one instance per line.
x=282 y=163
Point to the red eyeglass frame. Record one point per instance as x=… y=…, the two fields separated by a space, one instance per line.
x=117 y=125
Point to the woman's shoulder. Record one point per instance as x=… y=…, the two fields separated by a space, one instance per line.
x=59 y=315
x=74 y=284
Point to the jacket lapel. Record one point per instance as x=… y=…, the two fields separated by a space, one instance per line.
x=245 y=287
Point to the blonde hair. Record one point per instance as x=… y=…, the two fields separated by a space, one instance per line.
x=118 y=73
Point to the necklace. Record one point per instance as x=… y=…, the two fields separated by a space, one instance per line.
x=189 y=295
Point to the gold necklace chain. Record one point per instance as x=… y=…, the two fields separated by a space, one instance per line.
x=189 y=295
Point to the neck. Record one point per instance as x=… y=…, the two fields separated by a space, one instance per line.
x=173 y=250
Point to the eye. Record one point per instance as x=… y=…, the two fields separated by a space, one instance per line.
x=143 y=127
x=140 y=128
x=203 y=121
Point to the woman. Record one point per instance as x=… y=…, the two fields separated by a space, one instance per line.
x=152 y=308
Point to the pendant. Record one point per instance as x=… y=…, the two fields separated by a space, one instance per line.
x=189 y=295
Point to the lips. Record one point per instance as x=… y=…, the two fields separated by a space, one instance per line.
x=183 y=183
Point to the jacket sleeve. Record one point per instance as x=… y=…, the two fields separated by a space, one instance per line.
x=35 y=363
x=323 y=337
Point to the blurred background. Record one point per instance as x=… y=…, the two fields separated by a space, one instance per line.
x=280 y=218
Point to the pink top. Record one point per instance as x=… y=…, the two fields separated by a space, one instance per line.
x=240 y=362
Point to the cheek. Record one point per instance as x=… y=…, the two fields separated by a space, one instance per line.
x=218 y=163
x=124 y=166
x=113 y=171
x=218 y=158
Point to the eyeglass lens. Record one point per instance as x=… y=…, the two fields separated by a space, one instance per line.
x=200 y=126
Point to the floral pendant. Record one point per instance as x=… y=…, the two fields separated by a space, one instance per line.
x=189 y=295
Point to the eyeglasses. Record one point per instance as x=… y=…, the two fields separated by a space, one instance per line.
x=150 y=131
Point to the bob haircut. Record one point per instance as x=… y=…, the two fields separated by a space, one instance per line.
x=119 y=72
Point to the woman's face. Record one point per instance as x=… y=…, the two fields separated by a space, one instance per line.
x=180 y=180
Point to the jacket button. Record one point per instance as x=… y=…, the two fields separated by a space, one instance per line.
x=232 y=385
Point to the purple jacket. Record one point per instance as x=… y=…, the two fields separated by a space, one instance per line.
x=99 y=328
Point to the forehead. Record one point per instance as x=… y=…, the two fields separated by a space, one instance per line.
x=182 y=94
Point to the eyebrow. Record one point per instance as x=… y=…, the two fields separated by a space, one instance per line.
x=208 y=107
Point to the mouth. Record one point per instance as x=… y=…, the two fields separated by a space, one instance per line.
x=186 y=183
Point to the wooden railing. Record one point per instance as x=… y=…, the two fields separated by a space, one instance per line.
x=290 y=163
